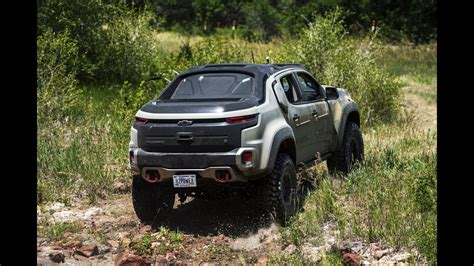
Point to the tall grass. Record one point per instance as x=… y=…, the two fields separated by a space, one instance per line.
x=82 y=156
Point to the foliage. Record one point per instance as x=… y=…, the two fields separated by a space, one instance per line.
x=56 y=231
x=338 y=60
x=114 y=42
x=414 y=20
x=57 y=87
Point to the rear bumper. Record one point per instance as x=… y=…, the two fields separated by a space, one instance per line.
x=203 y=164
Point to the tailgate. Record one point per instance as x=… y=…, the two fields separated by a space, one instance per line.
x=199 y=135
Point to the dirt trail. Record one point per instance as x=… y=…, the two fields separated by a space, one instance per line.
x=226 y=230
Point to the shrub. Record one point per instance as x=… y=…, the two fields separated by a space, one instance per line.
x=336 y=59
x=114 y=40
x=56 y=61
x=215 y=50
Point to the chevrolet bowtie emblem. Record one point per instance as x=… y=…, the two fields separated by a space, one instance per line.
x=184 y=123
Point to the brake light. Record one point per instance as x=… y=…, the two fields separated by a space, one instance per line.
x=240 y=119
x=141 y=120
x=247 y=157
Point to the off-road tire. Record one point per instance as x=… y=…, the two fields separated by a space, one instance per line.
x=280 y=193
x=152 y=202
x=350 y=153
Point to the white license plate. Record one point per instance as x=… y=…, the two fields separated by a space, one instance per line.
x=184 y=180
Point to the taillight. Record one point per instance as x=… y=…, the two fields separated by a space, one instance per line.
x=240 y=119
x=141 y=120
x=247 y=157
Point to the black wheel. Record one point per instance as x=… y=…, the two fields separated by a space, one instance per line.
x=151 y=202
x=351 y=152
x=281 y=189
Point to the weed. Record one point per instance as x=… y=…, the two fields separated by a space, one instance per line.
x=56 y=231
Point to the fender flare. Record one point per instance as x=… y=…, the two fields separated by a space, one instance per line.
x=348 y=109
x=282 y=135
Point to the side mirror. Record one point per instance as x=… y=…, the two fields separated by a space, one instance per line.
x=281 y=97
x=331 y=93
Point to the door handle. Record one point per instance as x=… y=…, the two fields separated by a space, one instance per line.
x=296 y=117
x=314 y=113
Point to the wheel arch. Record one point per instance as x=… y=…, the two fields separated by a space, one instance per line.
x=349 y=114
x=283 y=141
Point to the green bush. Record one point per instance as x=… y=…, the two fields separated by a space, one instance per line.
x=216 y=50
x=338 y=60
x=114 y=40
x=57 y=56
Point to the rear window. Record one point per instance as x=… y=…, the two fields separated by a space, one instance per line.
x=215 y=85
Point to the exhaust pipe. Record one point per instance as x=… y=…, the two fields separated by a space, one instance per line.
x=152 y=176
x=223 y=176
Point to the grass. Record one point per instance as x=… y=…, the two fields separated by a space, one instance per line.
x=56 y=231
x=84 y=156
x=168 y=240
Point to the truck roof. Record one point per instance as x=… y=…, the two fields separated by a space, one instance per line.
x=256 y=69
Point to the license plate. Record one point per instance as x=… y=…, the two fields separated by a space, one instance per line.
x=184 y=180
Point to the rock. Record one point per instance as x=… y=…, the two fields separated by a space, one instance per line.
x=145 y=229
x=311 y=253
x=64 y=216
x=88 y=250
x=380 y=253
x=262 y=261
x=56 y=246
x=57 y=206
x=73 y=244
x=160 y=260
x=127 y=258
x=170 y=256
x=290 y=249
x=401 y=257
x=155 y=245
x=356 y=247
x=68 y=253
x=67 y=234
x=350 y=258
x=121 y=235
x=121 y=187
x=365 y=262
x=126 y=242
x=42 y=261
x=80 y=257
x=93 y=211
x=374 y=246
x=137 y=238
x=56 y=257
x=103 y=248
x=113 y=243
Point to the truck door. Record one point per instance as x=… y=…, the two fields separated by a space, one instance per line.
x=314 y=97
x=299 y=118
